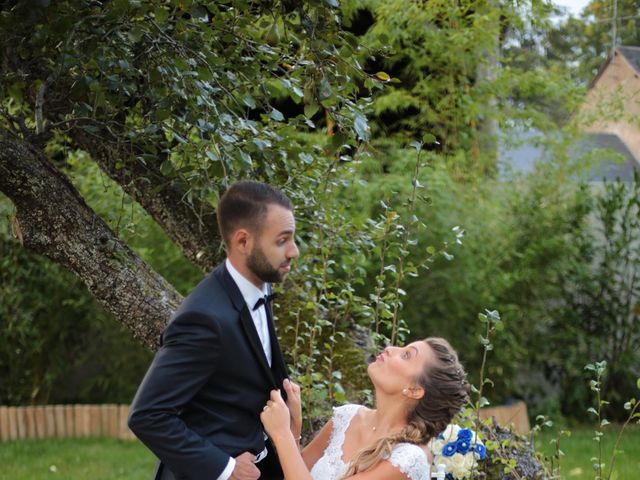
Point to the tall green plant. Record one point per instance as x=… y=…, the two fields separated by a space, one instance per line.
x=598 y=372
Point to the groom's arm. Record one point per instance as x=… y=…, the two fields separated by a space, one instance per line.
x=184 y=363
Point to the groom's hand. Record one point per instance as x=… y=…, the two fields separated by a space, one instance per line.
x=245 y=469
x=295 y=406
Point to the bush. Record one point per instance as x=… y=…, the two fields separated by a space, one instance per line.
x=601 y=316
x=519 y=242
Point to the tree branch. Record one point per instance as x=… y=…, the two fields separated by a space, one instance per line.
x=193 y=227
x=71 y=234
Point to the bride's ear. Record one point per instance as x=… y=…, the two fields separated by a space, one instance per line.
x=413 y=392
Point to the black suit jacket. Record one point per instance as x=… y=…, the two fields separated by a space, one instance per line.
x=201 y=398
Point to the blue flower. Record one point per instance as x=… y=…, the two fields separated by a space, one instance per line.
x=481 y=451
x=463 y=446
x=449 y=449
x=449 y=476
x=465 y=434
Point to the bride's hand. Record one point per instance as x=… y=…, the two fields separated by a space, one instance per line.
x=295 y=406
x=275 y=416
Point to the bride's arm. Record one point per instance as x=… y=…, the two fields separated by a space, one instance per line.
x=316 y=447
x=295 y=466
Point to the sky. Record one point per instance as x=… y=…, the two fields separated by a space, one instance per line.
x=574 y=6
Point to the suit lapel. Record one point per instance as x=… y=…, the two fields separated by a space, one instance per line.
x=277 y=359
x=247 y=322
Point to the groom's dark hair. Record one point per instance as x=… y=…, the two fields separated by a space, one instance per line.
x=244 y=205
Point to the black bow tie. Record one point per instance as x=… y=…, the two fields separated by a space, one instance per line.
x=264 y=300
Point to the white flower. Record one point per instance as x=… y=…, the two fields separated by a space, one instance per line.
x=468 y=462
x=451 y=432
x=436 y=446
x=458 y=469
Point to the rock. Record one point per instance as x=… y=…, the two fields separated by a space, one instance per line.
x=510 y=447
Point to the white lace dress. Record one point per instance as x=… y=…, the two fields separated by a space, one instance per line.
x=410 y=459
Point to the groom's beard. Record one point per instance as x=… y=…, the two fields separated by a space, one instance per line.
x=257 y=262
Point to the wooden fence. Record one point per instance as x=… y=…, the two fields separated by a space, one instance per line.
x=514 y=416
x=60 y=421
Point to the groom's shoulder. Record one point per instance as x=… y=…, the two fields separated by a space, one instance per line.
x=208 y=297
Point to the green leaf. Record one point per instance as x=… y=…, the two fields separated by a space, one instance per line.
x=311 y=109
x=306 y=158
x=15 y=90
x=276 y=115
x=429 y=138
x=135 y=34
x=162 y=114
x=361 y=127
x=383 y=76
x=249 y=101
x=161 y=14
x=166 y=168
x=324 y=90
x=333 y=3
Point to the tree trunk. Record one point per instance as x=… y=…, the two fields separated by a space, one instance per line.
x=70 y=233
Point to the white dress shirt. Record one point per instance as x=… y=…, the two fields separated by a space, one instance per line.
x=251 y=295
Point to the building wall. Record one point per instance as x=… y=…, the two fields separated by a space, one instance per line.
x=613 y=104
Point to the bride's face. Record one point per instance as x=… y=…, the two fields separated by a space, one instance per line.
x=396 y=368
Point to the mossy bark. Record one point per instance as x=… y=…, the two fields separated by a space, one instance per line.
x=53 y=219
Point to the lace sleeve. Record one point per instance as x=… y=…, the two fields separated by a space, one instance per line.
x=411 y=460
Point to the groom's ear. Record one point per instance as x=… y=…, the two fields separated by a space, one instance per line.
x=241 y=241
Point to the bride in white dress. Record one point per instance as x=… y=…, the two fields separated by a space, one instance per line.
x=418 y=390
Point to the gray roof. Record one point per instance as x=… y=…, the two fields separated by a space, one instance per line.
x=632 y=55
x=612 y=159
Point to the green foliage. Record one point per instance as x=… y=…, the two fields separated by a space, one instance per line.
x=194 y=89
x=456 y=72
x=518 y=243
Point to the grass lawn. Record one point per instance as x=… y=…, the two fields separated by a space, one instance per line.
x=580 y=447
x=109 y=459
x=76 y=459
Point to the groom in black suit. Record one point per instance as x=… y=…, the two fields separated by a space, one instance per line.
x=198 y=407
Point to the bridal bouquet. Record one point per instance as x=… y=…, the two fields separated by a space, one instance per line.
x=458 y=449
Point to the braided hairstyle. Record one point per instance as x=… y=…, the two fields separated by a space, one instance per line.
x=446 y=390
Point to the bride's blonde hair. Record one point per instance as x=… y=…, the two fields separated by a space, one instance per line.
x=445 y=392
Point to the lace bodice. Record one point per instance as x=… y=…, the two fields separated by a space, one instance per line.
x=408 y=458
